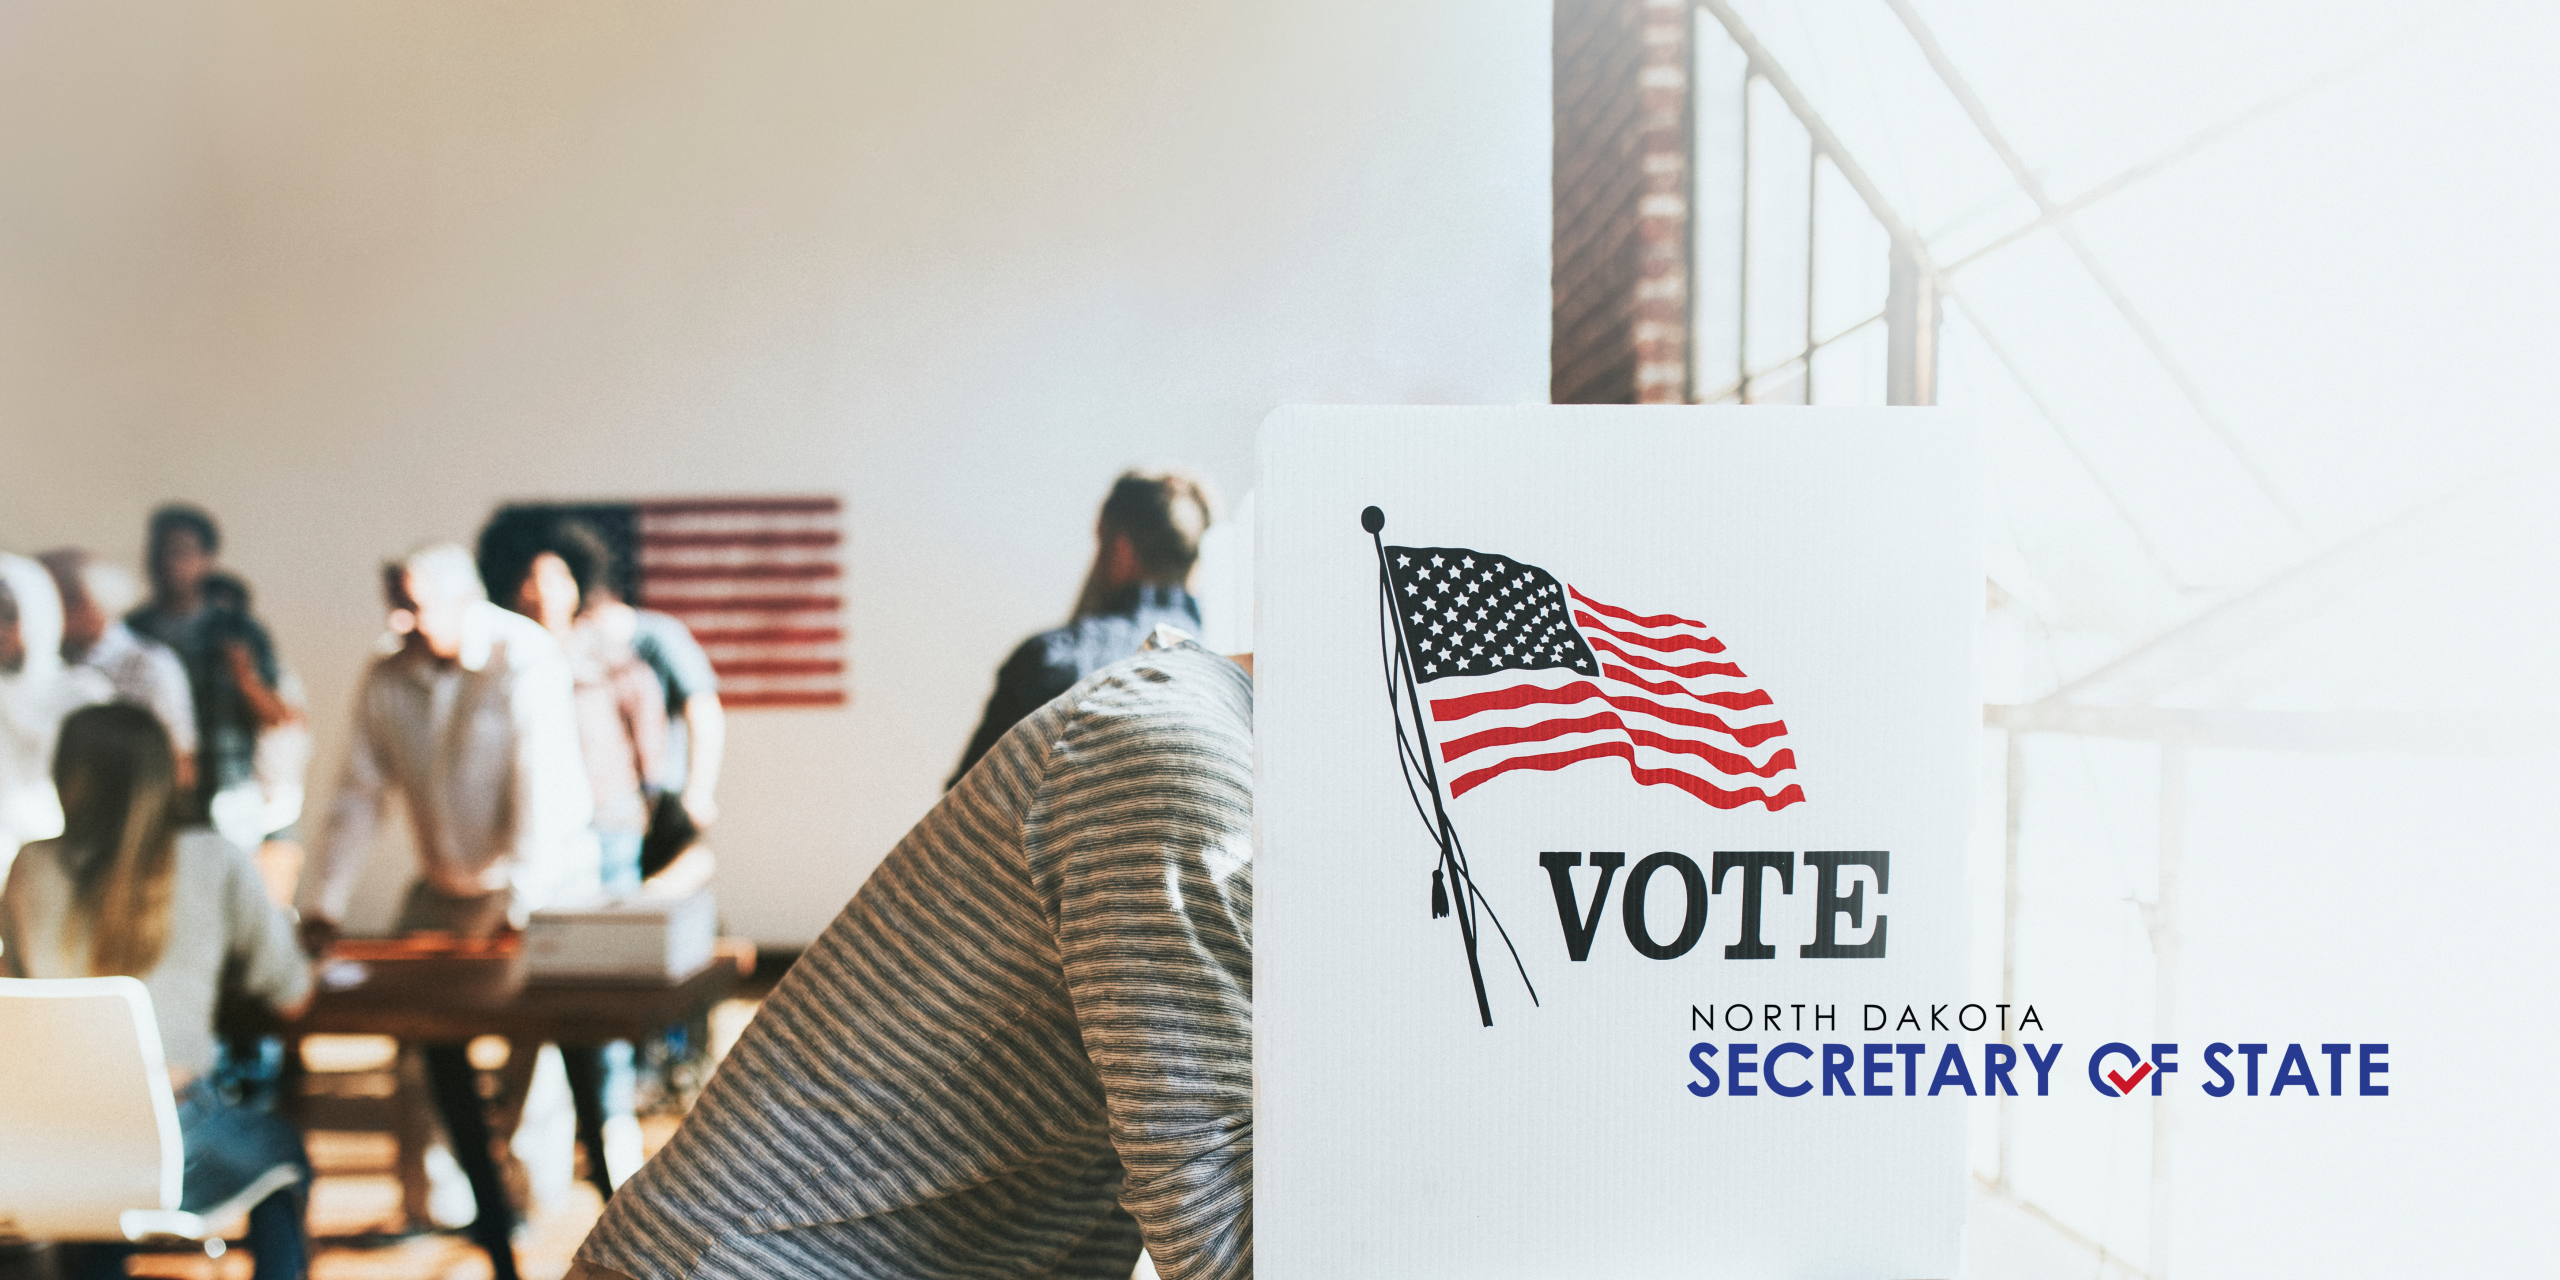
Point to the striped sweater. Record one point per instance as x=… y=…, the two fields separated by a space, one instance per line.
x=1027 y=1041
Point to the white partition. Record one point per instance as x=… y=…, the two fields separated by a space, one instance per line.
x=1697 y=647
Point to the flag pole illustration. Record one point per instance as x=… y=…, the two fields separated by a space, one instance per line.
x=1535 y=675
x=1396 y=651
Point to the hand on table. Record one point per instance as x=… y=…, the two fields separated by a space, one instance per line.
x=318 y=935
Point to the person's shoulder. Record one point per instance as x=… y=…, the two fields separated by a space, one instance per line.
x=36 y=859
x=1044 y=661
x=386 y=661
x=154 y=651
x=1055 y=640
x=518 y=640
x=652 y=627
x=84 y=685
x=208 y=854
x=1171 y=683
x=669 y=647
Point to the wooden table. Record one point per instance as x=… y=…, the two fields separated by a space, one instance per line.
x=426 y=990
x=455 y=992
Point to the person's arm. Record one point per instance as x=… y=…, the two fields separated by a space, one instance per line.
x=354 y=814
x=642 y=703
x=706 y=739
x=670 y=650
x=1146 y=818
x=263 y=951
x=265 y=704
x=688 y=874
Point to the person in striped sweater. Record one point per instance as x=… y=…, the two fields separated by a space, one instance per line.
x=1025 y=1047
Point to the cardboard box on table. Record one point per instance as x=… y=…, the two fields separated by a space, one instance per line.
x=1809 y=568
x=641 y=938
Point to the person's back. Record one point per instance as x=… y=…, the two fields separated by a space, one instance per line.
x=1026 y=1041
x=123 y=891
x=1147 y=539
x=222 y=920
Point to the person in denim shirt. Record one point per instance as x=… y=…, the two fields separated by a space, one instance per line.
x=1149 y=537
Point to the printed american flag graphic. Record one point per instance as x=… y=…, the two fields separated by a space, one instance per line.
x=1521 y=671
x=759 y=582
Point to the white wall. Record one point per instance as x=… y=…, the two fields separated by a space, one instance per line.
x=349 y=274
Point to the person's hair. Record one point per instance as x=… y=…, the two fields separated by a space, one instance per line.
x=1163 y=514
x=440 y=569
x=118 y=780
x=515 y=536
x=174 y=516
x=579 y=546
x=228 y=592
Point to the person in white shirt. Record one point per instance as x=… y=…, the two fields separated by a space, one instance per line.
x=146 y=673
x=37 y=692
x=471 y=720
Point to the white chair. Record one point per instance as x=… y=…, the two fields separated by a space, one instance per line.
x=88 y=1123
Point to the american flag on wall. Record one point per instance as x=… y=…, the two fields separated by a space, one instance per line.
x=1527 y=672
x=759 y=582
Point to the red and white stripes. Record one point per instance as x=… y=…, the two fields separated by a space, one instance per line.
x=760 y=583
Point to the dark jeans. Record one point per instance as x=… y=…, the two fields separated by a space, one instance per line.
x=227 y=1147
x=456 y=1088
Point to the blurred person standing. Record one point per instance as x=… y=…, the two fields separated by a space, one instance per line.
x=146 y=673
x=697 y=724
x=261 y=810
x=125 y=890
x=1148 y=539
x=544 y=568
x=230 y=659
x=547 y=570
x=37 y=690
x=472 y=720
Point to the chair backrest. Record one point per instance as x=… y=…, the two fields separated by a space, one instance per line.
x=88 y=1129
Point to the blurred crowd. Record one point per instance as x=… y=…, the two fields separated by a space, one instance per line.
x=78 y=629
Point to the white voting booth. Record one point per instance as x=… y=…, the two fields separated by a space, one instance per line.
x=1651 y=712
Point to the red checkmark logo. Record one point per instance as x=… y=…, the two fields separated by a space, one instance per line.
x=2124 y=1084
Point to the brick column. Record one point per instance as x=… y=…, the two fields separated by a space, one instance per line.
x=1599 y=57
x=1661 y=329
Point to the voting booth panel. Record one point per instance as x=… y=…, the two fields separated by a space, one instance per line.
x=1576 y=727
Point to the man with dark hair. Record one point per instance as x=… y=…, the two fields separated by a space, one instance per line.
x=1147 y=539
x=229 y=658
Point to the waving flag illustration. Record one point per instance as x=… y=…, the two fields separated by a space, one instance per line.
x=1510 y=669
